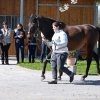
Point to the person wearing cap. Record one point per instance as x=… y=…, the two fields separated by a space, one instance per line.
x=5 y=42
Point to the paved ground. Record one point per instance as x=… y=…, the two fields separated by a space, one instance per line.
x=17 y=83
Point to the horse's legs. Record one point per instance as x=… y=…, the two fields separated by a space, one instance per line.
x=96 y=57
x=89 y=59
x=44 y=66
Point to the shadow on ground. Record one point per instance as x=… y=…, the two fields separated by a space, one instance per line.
x=87 y=82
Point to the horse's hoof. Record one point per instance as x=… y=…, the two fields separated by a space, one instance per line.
x=59 y=78
x=42 y=78
x=82 y=78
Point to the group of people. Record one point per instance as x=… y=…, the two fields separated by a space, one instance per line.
x=59 y=39
x=5 y=41
x=19 y=36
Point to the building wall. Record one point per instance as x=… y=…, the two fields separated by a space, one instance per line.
x=73 y=16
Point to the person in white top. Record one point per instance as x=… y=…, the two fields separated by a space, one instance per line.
x=60 y=50
x=5 y=43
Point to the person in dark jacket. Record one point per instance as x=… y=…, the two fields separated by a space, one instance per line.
x=32 y=48
x=19 y=36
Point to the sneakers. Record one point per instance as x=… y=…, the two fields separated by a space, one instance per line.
x=71 y=77
x=52 y=82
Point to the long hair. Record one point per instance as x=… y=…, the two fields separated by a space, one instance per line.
x=5 y=23
x=22 y=29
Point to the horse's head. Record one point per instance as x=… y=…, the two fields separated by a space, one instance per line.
x=33 y=24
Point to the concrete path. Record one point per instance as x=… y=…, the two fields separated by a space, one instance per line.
x=17 y=83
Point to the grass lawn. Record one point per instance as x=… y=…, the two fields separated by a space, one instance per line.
x=81 y=66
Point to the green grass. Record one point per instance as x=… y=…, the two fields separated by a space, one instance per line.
x=81 y=66
x=35 y=66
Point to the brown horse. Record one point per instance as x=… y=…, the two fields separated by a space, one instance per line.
x=80 y=36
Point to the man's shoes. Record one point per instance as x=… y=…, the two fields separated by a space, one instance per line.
x=52 y=82
x=72 y=77
x=2 y=62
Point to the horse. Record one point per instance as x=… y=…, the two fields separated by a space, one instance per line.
x=83 y=36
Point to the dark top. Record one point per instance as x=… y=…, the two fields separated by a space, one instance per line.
x=33 y=39
x=17 y=39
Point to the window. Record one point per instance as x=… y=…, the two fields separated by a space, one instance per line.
x=26 y=21
x=11 y=20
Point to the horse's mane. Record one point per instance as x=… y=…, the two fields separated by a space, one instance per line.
x=48 y=20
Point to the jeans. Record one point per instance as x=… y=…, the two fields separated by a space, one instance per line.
x=21 y=46
x=43 y=51
x=58 y=60
x=77 y=56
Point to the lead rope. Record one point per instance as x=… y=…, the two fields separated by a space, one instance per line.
x=51 y=54
x=46 y=51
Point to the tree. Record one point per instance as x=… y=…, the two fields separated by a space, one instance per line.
x=66 y=6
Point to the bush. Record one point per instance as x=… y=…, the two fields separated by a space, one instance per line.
x=72 y=54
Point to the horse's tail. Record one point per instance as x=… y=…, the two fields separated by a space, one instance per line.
x=98 y=28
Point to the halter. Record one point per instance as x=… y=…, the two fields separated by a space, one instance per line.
x=37 y=30
x=37 y=27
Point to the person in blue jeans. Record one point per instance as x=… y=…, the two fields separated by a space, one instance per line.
x=19 y=36
x=77 y=56
x=43 y=48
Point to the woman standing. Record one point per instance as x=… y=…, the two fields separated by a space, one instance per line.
x=32 y=48
x=19 y=36
x=60 y=52
x=5 y=43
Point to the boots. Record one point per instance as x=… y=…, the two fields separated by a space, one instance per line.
x=2 y=62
